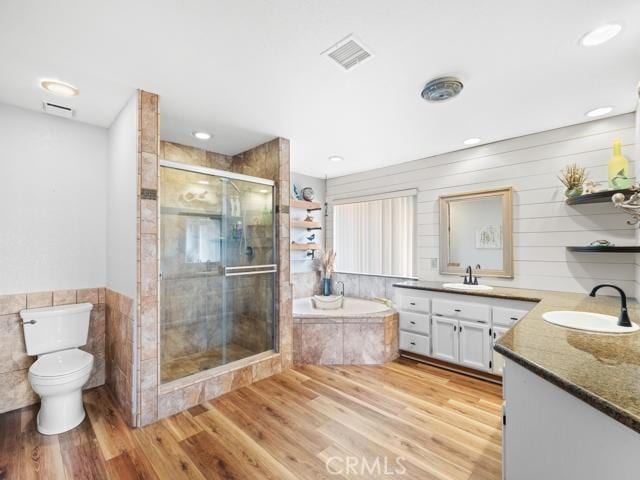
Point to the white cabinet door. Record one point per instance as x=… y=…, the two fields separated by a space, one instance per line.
x=498 y=361
x=444 y=338
x=475 y=345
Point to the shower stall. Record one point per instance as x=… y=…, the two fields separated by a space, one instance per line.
x=217 y=268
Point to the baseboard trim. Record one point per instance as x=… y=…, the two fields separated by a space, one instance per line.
x=489 y=377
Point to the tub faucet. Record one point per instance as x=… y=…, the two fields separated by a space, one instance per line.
x=342 y=290
x=623 y=318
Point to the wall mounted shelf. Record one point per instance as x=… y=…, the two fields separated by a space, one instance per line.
x=598 y=197
x=309 y=206
x=611 y=249
x=305 y=246
x=307 y=225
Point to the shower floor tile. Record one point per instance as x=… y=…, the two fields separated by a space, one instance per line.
x=188 y=365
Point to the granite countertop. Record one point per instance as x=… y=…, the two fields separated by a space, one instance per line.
x=601 y=369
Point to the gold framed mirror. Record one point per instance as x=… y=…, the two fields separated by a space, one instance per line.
x=476 y=228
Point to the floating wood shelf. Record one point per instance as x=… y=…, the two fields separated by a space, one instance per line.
x=309 y=206
x=596 y=248
x=598 y=197
x=307 y=225
x=305 y=246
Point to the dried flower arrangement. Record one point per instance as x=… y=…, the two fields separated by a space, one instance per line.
x=572 y=177
x=328 y=260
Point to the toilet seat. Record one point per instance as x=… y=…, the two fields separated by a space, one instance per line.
x=60 y=367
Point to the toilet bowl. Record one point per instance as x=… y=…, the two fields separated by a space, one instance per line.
x=61 y=370
x=58 y=379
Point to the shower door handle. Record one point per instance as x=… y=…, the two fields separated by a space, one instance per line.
x=250 y=270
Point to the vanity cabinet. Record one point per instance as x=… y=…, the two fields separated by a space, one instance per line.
x=456 y=328
x=445 y=339
x=475 y=345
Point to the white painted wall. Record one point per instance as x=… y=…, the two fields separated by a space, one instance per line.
x=52 y=202
x=543 y=224
x=122 y=175
x=299 y=261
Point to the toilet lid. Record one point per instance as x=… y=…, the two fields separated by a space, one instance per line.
x=61 y=363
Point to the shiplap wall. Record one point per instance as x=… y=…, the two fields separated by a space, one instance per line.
x=543 y=224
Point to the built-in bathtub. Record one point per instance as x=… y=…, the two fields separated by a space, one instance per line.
x=361 y=332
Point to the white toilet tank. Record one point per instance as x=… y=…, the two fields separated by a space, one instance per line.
x=51 y=329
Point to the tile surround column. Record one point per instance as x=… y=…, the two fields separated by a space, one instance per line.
x=147 y=355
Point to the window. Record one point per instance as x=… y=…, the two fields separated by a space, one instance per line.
x=376 y=235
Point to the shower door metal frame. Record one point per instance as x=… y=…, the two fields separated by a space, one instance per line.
x=215 y=172
x=261 y=269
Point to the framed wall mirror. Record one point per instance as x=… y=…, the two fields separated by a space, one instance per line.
x=476 y=230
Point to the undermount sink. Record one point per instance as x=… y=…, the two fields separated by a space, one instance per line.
x=463 y=286
x=591 y=322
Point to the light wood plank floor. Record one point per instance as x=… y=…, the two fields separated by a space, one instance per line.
x=311 y=422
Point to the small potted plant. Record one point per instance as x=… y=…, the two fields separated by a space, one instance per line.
x=572 y=177
x=328 y=260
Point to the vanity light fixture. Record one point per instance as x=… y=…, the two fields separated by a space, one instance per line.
x=264 y=190
x=598 y=112
x=62 y=89
x=602 y=34
x=201 y=135
x=203 y=182
x=336 y=158
x=472 y=141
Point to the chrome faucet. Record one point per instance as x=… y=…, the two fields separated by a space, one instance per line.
x=342 y=283
x=623 y=318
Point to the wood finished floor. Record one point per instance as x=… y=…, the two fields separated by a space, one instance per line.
x=441 y=425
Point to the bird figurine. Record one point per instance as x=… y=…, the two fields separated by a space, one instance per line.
x=311 y=237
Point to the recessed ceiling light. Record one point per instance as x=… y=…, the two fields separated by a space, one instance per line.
x=601 y=34
x=598 y=112
x=202 y=135
x=336 y=158
x=472 y=141
x=59 y=88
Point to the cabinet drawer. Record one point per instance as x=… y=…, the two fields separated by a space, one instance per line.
x=416 y=322
x=414 y=342
x=507 y=316
x=416 y=304
x=459 y=309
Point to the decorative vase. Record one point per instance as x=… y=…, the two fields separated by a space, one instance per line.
x=326 y=287
x=573 y=192
x=618 y=168
x=308 y=194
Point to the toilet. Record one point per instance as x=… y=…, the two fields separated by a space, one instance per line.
x=58 y=375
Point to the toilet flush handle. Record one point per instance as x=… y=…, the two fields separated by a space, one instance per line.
x=30 y=322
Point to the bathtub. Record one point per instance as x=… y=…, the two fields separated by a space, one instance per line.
x=361 y=332
x=351 y=307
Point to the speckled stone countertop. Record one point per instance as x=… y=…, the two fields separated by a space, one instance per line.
x=601 y=369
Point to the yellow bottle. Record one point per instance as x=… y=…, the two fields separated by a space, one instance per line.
x=618 y=168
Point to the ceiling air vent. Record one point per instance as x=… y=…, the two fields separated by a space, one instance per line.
x=57 y=110
x=348 y=52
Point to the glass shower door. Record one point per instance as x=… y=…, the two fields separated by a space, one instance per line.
x=249 y=268
x=217 y=259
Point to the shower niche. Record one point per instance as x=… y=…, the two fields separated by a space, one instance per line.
x=218 y=269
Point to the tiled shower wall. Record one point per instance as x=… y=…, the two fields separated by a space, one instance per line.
x=270 y=160
x=14 y=361
x=120 y=351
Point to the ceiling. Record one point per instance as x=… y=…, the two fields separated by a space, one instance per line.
x=247 y=71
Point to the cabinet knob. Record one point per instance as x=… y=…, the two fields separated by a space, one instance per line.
x=456 y=310
x=412 y=322
x=413 y=343
x=514 y=318
x=412 y=303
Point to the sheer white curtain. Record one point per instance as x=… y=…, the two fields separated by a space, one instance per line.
x=375 y=237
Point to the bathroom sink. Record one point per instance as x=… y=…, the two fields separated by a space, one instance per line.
x=462 y=286
x=591 y=322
